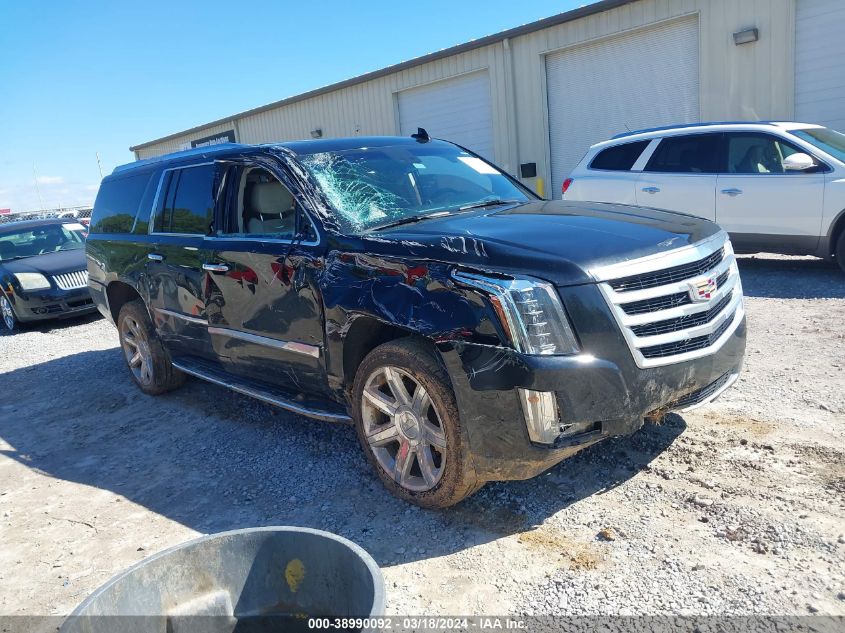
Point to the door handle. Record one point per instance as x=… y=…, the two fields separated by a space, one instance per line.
x=732 y=192
x=651 y=190
x=215 y=268
x=155 y=257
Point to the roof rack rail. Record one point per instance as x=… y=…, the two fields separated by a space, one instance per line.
x=185 y=153
x=681 y=126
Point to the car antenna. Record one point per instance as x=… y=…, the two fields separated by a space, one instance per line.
x=421 y=136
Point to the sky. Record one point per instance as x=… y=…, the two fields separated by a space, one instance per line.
x=78 y=79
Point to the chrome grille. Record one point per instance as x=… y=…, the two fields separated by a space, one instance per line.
x=663 y=303
x=692 y=400
x=72 y=281
x=687 y=345
x=657 y=305
x=683 y=322
x=663 y=277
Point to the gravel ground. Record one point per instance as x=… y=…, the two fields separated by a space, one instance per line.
x=736 y=508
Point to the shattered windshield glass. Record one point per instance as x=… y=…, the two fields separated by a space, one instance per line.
x=371 y=187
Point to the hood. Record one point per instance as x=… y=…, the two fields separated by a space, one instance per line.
x=558 y=240
x=49 y=263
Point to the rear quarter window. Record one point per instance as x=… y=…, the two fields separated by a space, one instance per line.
x=117 y=204
x=686 y=154
x=619 y=157
x=189 y=201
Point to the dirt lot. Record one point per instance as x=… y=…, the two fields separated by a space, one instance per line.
x=735 y=508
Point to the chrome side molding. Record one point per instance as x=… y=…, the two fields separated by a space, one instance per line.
x=180 y=315
x=290 y=346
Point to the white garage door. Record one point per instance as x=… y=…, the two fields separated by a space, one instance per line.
x=819 y=52
x=456 y=109
x=646 y=78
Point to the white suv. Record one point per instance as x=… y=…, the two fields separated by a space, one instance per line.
x=776 y=187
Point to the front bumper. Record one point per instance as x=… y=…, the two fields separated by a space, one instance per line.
x=605 y=393
x=51 y=304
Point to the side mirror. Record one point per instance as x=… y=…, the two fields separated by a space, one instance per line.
x=799 y=162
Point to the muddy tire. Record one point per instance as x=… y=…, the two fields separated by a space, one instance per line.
x=408 y=425
x=146 y=357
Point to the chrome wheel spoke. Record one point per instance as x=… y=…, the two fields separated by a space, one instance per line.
x=380 y=401
x=404 y=460
x=426 y=463
x=420 y=402
x=146 y=374
x=434 y=435
x=136 y=360
x=384 y=435
x=397 y=387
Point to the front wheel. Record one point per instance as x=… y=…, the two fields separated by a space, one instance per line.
x=8 y=313
x=146 y=357
x=408 y=425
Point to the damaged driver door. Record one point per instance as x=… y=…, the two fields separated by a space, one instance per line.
x=264 y=313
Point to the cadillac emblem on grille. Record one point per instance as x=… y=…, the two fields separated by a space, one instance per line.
x=702 y=290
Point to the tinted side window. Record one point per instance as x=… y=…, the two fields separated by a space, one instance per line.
x=693 y=154
x=117 y=203
x=750 y=153
x=619 y=157
x=189 y=201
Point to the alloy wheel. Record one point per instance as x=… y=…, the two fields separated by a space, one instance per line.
x=137 y=351
x=403 y=429
x=8 y=313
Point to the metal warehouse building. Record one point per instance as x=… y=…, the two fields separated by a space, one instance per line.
x=534 y=98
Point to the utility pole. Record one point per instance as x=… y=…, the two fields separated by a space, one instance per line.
x=99 y=166
x=37 y=188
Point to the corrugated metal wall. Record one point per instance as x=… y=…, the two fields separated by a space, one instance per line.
x=753 y=81
x=820 y=79
x=370 y=108
x=177 y=143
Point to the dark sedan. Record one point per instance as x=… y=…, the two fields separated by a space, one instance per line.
x=43 y=271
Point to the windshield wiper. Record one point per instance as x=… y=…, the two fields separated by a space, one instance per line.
x=489 y=203
x=428 y=216
x=410 y=220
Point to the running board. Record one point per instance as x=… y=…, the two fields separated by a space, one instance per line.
x=219 y=376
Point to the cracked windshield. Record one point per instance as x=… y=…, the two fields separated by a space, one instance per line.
x=372 y=187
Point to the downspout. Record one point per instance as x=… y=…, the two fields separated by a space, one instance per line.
x=510 y=88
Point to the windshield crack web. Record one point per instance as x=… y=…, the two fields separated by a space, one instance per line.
x=351 y=191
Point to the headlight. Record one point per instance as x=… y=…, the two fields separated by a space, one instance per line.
x=32 y=281
x=530 y=311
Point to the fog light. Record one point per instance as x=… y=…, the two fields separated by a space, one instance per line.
x=540 y=410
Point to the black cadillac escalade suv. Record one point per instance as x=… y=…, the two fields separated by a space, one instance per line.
x=468 y=329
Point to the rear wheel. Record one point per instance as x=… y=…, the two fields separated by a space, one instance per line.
x=408 y=425
x=840 y=250
x=8 y=313
x=146 y=357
